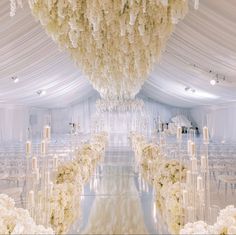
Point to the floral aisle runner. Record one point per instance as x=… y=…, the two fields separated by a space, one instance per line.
x=165 y=176
x=69 y=181
x=117 y=207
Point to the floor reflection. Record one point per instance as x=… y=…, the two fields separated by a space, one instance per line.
x=117 y=200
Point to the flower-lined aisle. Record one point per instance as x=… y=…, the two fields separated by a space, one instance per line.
x=58 y=204
x=69 y=182
x=168 y=178
x=165 y=176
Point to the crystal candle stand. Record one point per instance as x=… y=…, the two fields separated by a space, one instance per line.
x=196 y=192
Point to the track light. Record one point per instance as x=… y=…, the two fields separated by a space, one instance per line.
x=189 y=89
x=41 y=92
x=15 y=79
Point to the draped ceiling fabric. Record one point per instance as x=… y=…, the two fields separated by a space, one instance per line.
x=206 y=37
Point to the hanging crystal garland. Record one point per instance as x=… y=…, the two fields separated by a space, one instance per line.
x=114 y=42
x=109 y=105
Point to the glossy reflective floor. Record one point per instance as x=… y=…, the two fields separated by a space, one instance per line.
x=117 y=200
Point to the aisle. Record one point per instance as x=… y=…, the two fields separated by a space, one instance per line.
x=118 y=206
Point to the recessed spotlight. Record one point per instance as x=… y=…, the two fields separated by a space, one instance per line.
x=213 y=82
x=15 y=79
x=41 y=92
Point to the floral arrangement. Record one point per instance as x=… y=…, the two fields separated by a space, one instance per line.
x=69 y=182
x=63 y=201
x=115 y=43
x=225 y=224
x=165 y=176
x=17 y=220
x=67 y=173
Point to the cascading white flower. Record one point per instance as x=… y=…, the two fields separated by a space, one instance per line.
x=114 y=42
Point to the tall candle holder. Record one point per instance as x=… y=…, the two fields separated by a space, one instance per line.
x=205 y=173
x=27 y=173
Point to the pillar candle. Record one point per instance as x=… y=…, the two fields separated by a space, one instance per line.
x=188 y=178
x=196 y=4
x=34 y=163
x=192 y=149
x=199 y=183
x=203 y=163
x=55 y=162
x=31 y=198
x=43 y=147
x=194 y=164
x=205 y=134
x=179 y=133
x=189 y=146
x=47 y=132
x=28 y=147
x=185 y=198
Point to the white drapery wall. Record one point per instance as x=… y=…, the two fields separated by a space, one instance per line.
x=13 y=123
x=16 y=120
x=219 y=119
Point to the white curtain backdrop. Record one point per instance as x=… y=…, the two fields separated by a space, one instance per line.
x=16 y=120
x=219 y=119
x=13 y=123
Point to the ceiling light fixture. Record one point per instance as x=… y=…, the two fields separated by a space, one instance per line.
x=189 y=89
x=15 y=79
x=41 y=92
x=213 y=82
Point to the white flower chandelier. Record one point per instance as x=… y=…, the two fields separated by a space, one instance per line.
x=114 y=42
x=108 y=105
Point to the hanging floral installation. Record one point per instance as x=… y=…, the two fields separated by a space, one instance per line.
x=114 y=42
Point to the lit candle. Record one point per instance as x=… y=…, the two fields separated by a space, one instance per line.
x=28 y=147
x=188 y=178
x=192 y=149
x=55 y=162
x=196 y=4
x=34 y=163
x=179 y=133
x=185 y=198
x=194 y=164
x=189 y=146
x=43 y=147
x=47 y=132
x=199 y=183
x=203 y=163
x=205 y=134
x=31 y=198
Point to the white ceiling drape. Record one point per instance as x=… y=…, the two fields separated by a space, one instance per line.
x=206 y=37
